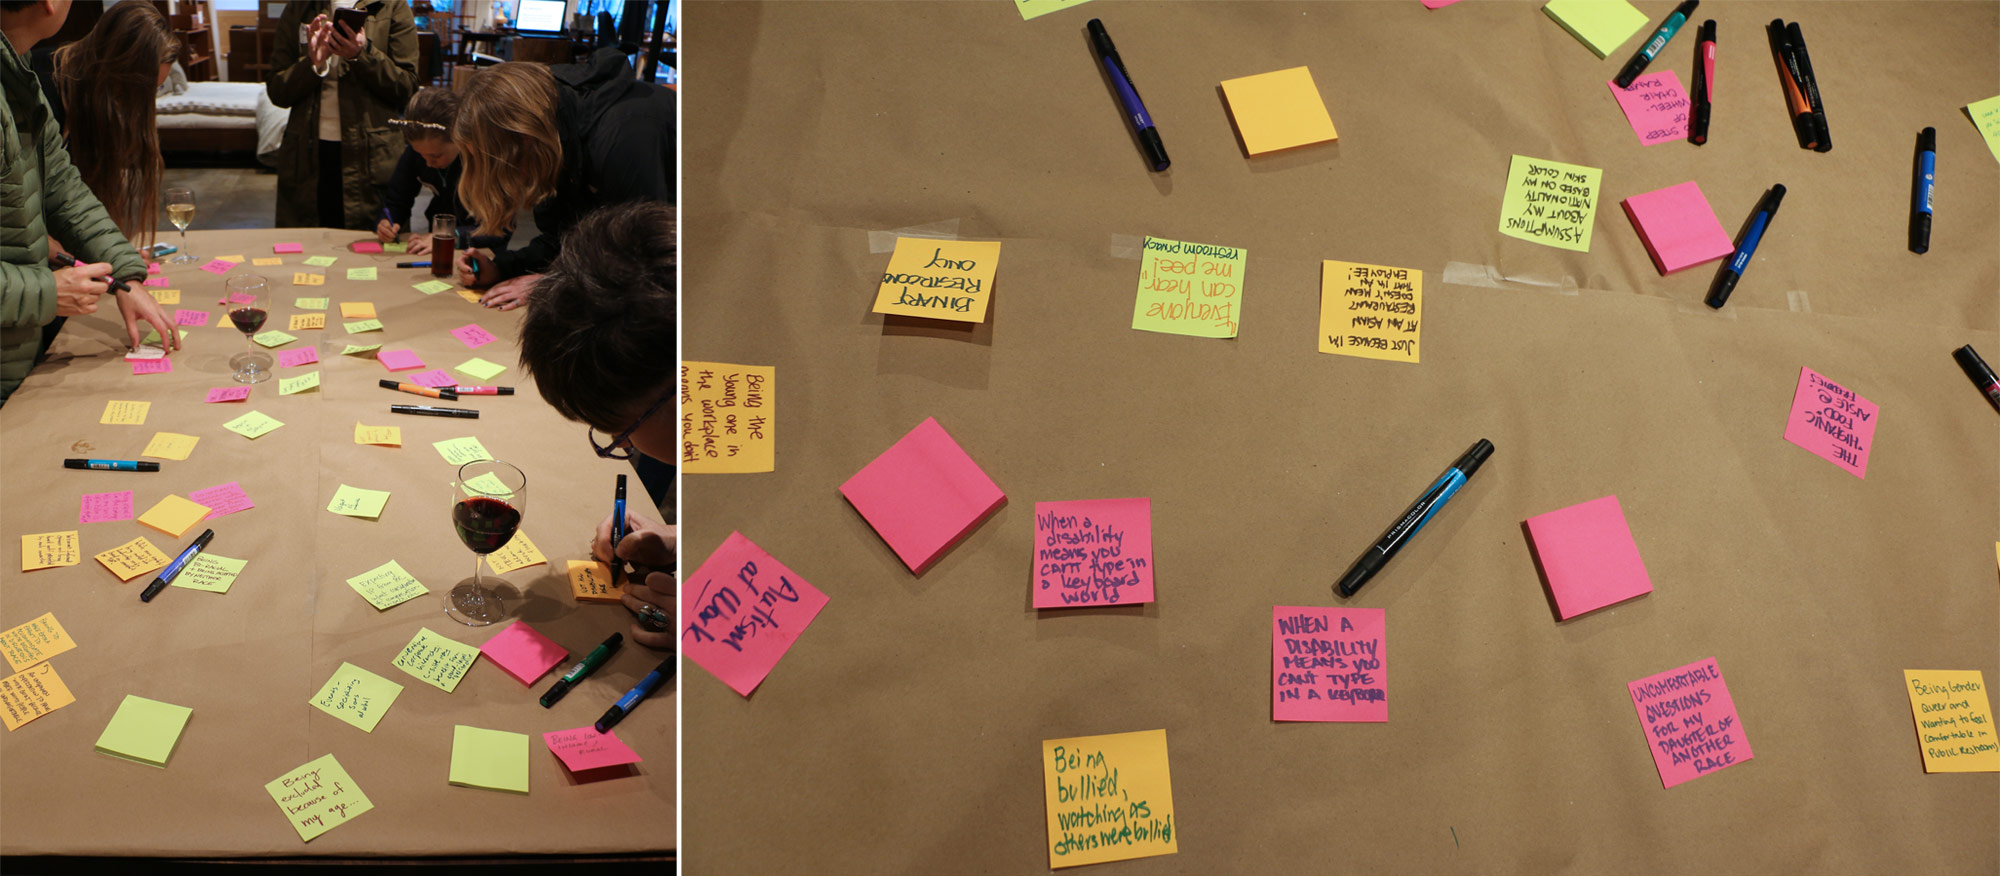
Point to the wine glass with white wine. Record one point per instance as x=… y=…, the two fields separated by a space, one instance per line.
x=180 y=211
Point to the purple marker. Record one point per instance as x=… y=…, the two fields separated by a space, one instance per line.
x=1135 y=110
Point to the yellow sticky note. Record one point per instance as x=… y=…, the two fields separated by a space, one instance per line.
x=493 y=759
x=469 y=295
x=431 y=287
x=729 y=417
x=210 y=572
x=321 y=261
x=1086 y=776
x=165 y=296
x=361 y=274
x=387 y=585
x=304 y=321
x=389 y=435
x=1986 y=116
x=356 y=349
x=32 y=693
x=395 y=246
x=47 y=550
x=1278 y=110
x=519 y=553
x=301 y=383
x=35 y=641
x=125 y=413
x=1370 y=311
x=144 y=730
x=356 y=696
x=175 y=515
x=1602 y=25
x=310 y=304
x=1038 y=8
x=267 y=262
x=357 y=502
x=939 y=279
x=488 y=485
x=364 y=325
x=480 y=369
x=1550 y=203
x=1189 y=289
x=273 y=338
x=170 y=445
x=459 y=451
x=590 y=581
x=357 y=310
x=252 y=425
x=308 y=278
x=1954 y=720
x=132 y=559
x=232 y=259
x=436 y=660
x=318 y=797
x=152 y=337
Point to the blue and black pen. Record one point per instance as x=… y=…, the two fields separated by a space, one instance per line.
x=1920 y=194
x=1732 y=270
x=1652 y=48
x=617 y=524
x=1406 y=526
x=174 y=568
x=1128 y=96
x=631 y=699
x=110 y=465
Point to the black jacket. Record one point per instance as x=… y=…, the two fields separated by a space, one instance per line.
x=412 y=175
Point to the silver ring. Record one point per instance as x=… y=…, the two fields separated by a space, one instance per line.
x=652 y=618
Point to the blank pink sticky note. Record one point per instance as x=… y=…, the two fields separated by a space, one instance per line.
x=287 y=247
x=161 y=365
x=155 y=268
x=1690 y=722
x=218 y=266
x=300 y=356
x=522 y=652
x=586 y=749
x=159 y=282
x=1093 y=552
x=227 y=394
x=922 y=495
x=473 y=336
x=367 y=246
x=1438 y=4
x=223 y=499
x=1329 y=664
x=399 y=360
x=1833 y=422
x=1589 y=557
x=195 y=318
x=242 y=298
x=433 y=378
x=1656 y=106
x=100 y=507
x=1678 y=227
x=742 y=610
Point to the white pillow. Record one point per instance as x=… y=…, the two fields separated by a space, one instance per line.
x=177 y=81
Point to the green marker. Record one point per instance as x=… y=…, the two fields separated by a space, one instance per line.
x=583 y=667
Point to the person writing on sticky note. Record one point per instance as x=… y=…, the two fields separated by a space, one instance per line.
x=430 y=161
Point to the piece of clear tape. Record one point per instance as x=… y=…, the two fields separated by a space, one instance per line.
x=1127 y=246
x=1797 y=299
x=885 y=241
x=1488 y=276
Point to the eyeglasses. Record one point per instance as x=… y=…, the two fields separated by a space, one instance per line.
x=618 y=448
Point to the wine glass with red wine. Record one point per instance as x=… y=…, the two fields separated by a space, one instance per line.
x=248 y=297
x=486 y=507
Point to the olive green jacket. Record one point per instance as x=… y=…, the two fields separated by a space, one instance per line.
x=41 y=194
x=375 y=88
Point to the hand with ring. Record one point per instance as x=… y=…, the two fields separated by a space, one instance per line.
x=650 y=587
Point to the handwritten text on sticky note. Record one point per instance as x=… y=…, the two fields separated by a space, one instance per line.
x=939 y=279
x=730 y=414
x=1093 y=552
x=1690 y=722
x=742 y=610
x=1329 y=664
x=1954 y=720
x=1091 y=783
x=1189 y=289
x=1550 y=203
x=1833 y=422
x=1370 y=311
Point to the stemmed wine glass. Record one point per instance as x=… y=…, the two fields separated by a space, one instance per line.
x=180 y=211
x=487 y=502
x=246 y=299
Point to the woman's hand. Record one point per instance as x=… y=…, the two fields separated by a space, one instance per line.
x=509 y=294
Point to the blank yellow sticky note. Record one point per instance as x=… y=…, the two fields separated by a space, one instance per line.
x=1085 y=776
x=389 y=435
x=125 y=413
x=165 y=296
x=730 y=414
x=1278 y=110
x=47 y=550
x=431 y=287
x=519 y=553
x=357 y=310
x=356 y=696
x=232 y=259
x=361 y=274
x=35 y=641
x=357 y=502
x=308 y=278
x=1954 y=720
x=144 y=730
x=252 y=425
x=32 y=693
x=321 y=261
x=301 y=383
x=303 y=321
x=318 y=797
x=174 y=515
x=480 y=369
x=267 y=262
x=132 y=559
x=590 y=581
x=170 y=445
x=459 y=451
x=1602 y=25
x=387 y=585
x=939 y=279
x=493 y=759
x=1370 y=311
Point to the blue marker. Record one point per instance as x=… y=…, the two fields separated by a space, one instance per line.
x=617 y=524
x=632 y=697
x=174 y=568
x=1135 y=110
x=1653 y=46
x=1414 y=519
x=1920 y=197
x=110 y=465
x=1732 y=270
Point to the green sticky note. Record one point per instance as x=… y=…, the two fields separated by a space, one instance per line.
x=1189 y=289
x=1037 y=8
x=1550 y=203
x=489 y=485
x=397 y=246
x=1986 y=116
x=311 y=303
x=301 y=383
x=387 y=585
x=354 y=349
x=153 y=335
x=210 y=572
x=493 y=759
x=273 y=338
x=146 y=730
x=318 y=797
x=252 y=425
x=480 y=368
x=436 y=660
x=320 y=261
x=432 y=287
x=357 y=696
x=459 y=451
x=364 y=325
x=361 y=273
x=357 y=502
x=1603 y=25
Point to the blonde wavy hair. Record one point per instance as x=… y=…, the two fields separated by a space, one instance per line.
x=506 y=133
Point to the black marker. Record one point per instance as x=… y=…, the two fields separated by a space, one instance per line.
x=1653 y=46
x=1920 y=192
x=429 y=411
x=582 y=668
x=1810 y=85
x=1128 y=96
x=413 y=264
x=110 y=465
x=1732 y=270
x=174 y=568
x=1981 y=375
x=631 y=699
x=1704 y=81
x=1406 y=526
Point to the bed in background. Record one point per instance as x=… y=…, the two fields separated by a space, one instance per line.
x=221 y=117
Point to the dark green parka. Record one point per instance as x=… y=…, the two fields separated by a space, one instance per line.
x=375 y=88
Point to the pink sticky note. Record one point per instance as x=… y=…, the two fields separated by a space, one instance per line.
x=159 y=282
x=155 y=268
x=922 y=495
x=242 y=298
x=522 y=652
x=1093 y=552
x=1588 y=556
x=100 y=507
x=1438 y=4
x=1329 y=664
x=195 y=318
x=1656 y=105
x=1832 y=421
x=433 y=378
x=1678 y=227
x=300 y=356
x=287 y=247
x=161 y=365
x=222 y=499
x=473 y=336
x=742 y=610
x=1690 y=721
x=218 y=267
x=227 y=394
x=367 y=246
x=399 y=360
x=586 y=749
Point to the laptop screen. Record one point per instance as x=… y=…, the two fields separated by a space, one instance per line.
x=542 y=16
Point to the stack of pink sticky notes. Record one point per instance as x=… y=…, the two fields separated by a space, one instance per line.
x=1678 y=227
x=1589 y=557
x=922 y=495
x=523 y=653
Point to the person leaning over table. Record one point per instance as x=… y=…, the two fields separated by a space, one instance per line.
x=564 y=140
x=42 y=194
x=430 y=161
x=342 y=88
x=599 y=341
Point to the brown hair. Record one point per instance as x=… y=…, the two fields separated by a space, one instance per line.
x=430 y=114
x=601 y=325
x=506 y=132
x=107 y=82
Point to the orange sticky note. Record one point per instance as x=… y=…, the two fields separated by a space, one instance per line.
x=47 y=550
x=939 y=279
x=1084 y=776
x=35 y=641
x=1954 y=720
x=357 y=310
x=590 y=581
x=30 y=694
x=133 y=558
x=922 y=495
x=731 y=413
x=1278 y=110
x=174 y=515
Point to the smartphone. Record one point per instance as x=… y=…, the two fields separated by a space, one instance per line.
x=354 y=19
x=161 y=249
